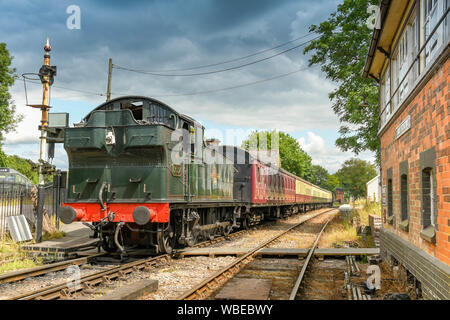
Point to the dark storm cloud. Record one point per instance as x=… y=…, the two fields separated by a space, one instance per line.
x=161 y=34
x=168 y=34
x=141 y=27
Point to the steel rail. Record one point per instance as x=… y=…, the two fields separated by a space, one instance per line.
x=234 y=267
x=305 y=265
x=216 y=240
x=59 y=266
x=56 y=291
x=40 y=270
x=219 y=239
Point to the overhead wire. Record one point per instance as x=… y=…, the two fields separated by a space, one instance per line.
x=189 y=93
x=235 y=59
x=214 y=71
x=226 y=88
x=36 y=81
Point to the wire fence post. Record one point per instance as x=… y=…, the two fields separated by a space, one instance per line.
x=22 y=196
x=39 y=214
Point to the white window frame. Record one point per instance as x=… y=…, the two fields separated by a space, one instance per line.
x=387 y=93
x=406 y=51
x=432 y=11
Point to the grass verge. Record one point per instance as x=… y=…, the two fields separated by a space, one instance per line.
x=13 y=258
x=344 y=229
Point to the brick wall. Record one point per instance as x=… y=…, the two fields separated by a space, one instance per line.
x=433 y=275
x=430 y=129
x=375 y=226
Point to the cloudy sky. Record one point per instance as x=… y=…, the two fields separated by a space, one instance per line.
x=170 y=35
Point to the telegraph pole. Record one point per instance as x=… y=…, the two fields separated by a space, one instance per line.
x=108 y=90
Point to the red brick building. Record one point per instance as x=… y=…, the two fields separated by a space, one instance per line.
x=340 y=195
x=409 y=58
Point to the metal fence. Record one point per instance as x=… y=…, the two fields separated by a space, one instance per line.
x=16 y=199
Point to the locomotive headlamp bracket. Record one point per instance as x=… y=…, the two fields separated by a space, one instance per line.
x=110 y=138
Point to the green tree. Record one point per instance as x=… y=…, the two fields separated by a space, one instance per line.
x=3 y=159
x=354 y=175
x=323 y=179
x=8 y=116
x=333 y=182
x=292 y=156
x=320 y=176
x=341 y=51
x=24 y=166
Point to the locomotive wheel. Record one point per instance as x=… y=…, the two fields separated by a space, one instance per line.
x=194 y=237
x=191 y=242
x=245 y=224
x=226 y=230
x=108 y=244
x=166 y=240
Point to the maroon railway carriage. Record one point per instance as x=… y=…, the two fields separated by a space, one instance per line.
x=268 y=191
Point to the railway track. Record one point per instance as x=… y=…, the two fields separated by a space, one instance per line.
x=218 y=279
x=44 y=269
x=301 y=276
x=62 y=265
x=87 y=283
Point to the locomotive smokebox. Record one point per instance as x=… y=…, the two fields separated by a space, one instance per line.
x=67 y=214
x=141 y=215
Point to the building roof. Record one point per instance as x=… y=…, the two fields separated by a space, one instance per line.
x=389 y=21
x=372 y=180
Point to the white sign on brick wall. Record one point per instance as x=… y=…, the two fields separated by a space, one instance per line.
x=403 y=127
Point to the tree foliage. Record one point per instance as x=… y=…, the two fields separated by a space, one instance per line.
x=323 y=179
x=341 y=51
x=24 y=166
x=333 y=182
x=292 y=156
x=8 y=116
x=354 y=175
